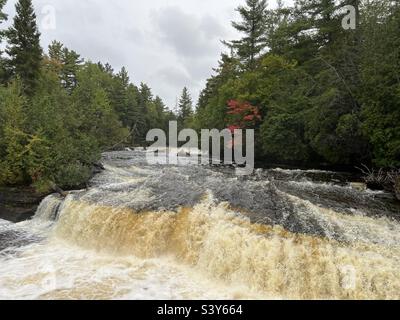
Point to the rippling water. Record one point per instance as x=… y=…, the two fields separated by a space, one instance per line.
x=193 y=232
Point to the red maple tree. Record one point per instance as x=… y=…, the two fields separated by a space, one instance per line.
x=242 y=115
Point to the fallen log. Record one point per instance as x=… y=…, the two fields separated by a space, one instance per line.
x=58 y=190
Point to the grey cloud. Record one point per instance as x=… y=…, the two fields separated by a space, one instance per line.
x=174 y=76
x=189 y=35
x=195 y=40
x=168 y=44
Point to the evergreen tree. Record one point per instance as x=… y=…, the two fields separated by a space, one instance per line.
x=118 y=94
x=72 y=62
x=24 y=46
x=72 y=113
x=212 y=103
x=133 y=118
x=311 y=87
x=55 y=51
x=3 y=17
x=68 y=63
x=145 y=98
x=145 y=93
x=185 y=108
x=380 y=69
x=124 y=77
x=254 y=28
x=108 y=69
x=97 y=117
x=161 y=111
x=277 y=23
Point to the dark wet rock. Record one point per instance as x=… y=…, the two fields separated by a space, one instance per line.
x=18 y=204
x=97 y=168
x=14 y=239
x=344 y=200
x=293 y=199
x=397 y=188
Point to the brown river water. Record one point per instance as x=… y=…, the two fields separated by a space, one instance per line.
x=143 y=231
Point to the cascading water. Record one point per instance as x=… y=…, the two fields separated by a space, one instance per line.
x=191 y=232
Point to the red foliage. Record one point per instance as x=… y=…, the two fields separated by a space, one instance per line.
x=250 y=117
x=233 y=128
x=244 y=115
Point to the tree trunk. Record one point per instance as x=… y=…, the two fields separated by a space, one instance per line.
x=58 y=190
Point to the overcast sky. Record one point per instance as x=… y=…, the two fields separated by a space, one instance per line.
x=168 y=44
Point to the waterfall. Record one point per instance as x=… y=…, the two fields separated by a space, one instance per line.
x=224 y=245
x=144 y=232
x=48 y=208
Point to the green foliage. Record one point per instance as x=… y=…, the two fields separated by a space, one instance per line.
x=381 y=85
x=3 y=17
x=13 y=140
x=58 y=113
x=2 y=14
x=73 y=174
x=326 y=94
x=24 y=46
x=185 y=109
x=212 y=104
x=253 y=27
x=95 y=113
x=66 y=63
x=282 y=138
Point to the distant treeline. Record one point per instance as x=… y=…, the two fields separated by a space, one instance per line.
x=326 y=95
x=315 y=93
x=58 y=112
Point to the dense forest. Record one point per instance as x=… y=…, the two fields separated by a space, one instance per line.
x=317 y=94
x=326 y=94
x=58 y=111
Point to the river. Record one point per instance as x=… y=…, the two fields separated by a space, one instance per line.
x=143 y=231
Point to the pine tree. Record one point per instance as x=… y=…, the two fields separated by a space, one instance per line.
x=380 y=69
x=254 y=27
x=133 y=119
x=123 y=76
x=3 y=17
x=185 y=108
x=145 y=97
x=277 y=23
x=160 y=106
x=68 y=62
x=55 y=51
x=72 y=62
x=24 y=46
x=118 y=93
x=108 y=68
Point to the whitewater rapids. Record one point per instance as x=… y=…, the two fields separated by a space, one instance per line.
x=144 y=231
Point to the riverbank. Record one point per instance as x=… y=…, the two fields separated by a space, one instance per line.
x=19 y=203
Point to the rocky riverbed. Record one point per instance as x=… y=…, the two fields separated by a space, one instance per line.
x=19 y=204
